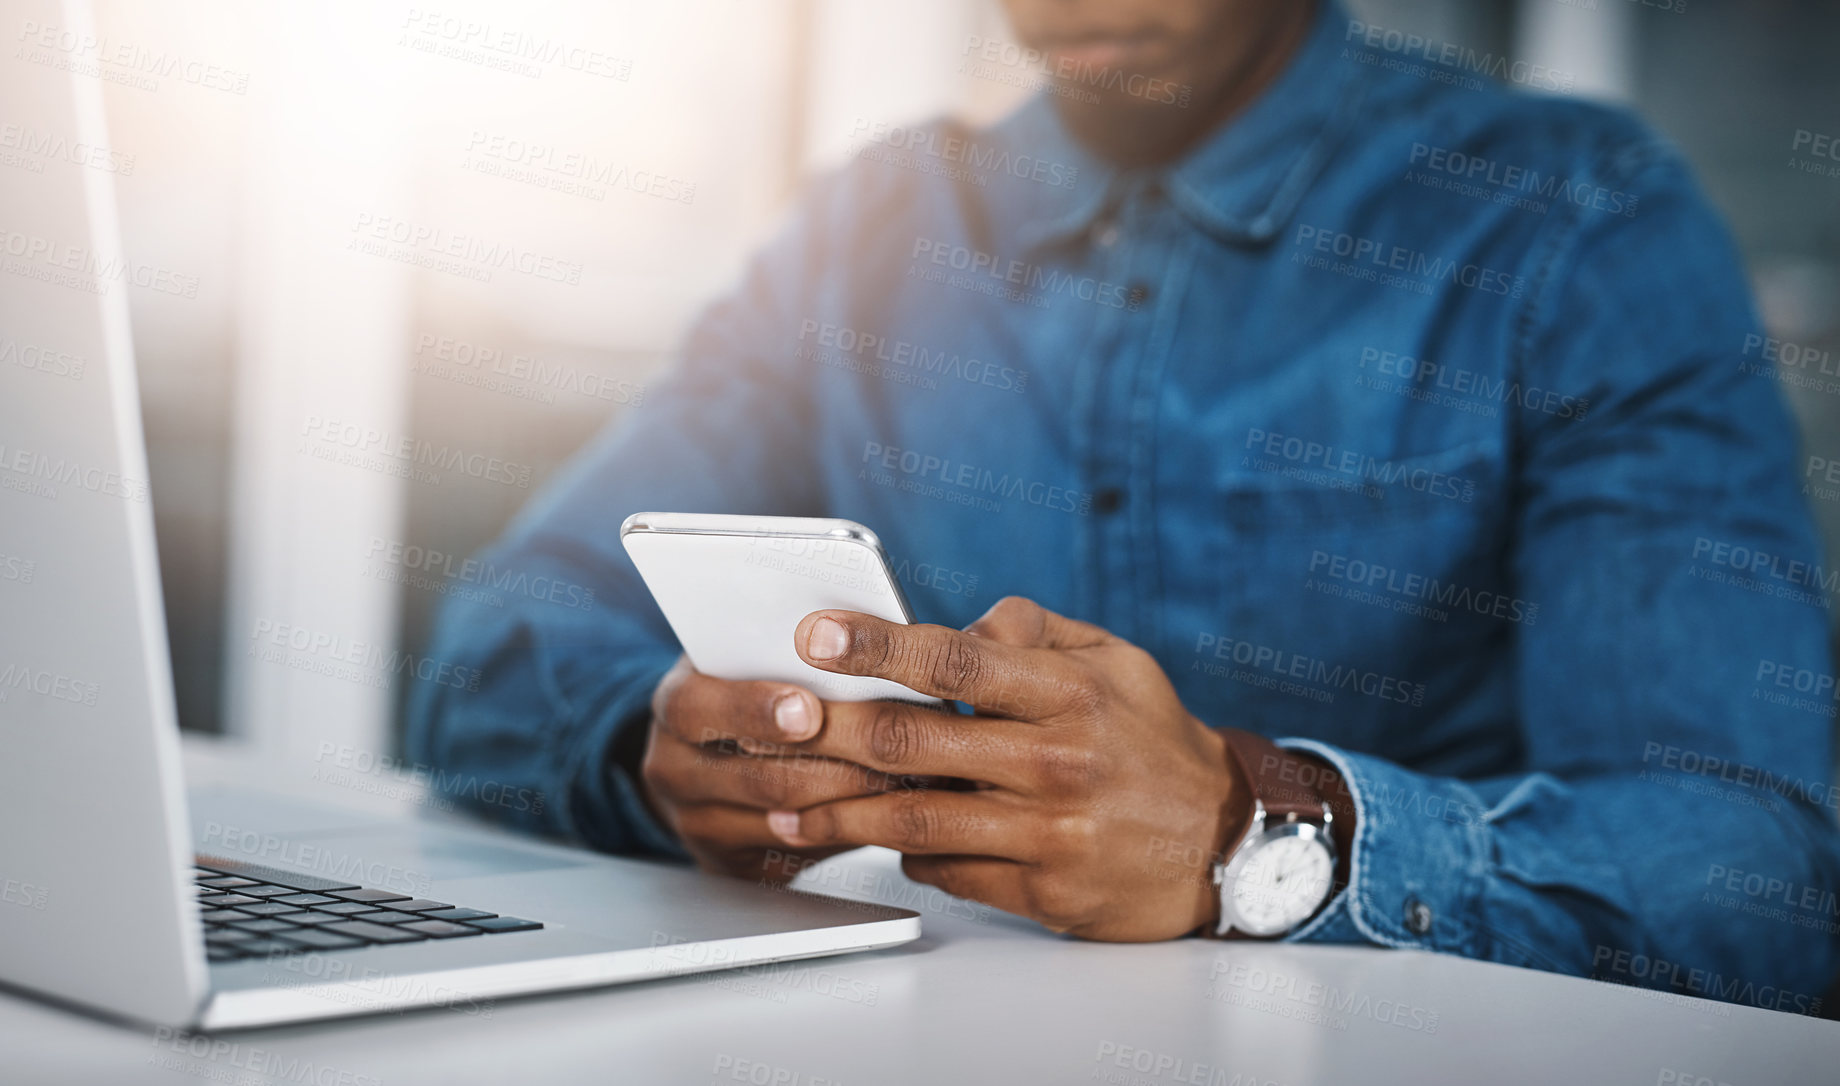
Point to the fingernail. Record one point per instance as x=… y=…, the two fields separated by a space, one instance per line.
x=793 y=718
x=785 y=826
x=827 y=639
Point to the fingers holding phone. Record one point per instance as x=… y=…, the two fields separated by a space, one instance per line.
x=722 y=753
x=720 y=756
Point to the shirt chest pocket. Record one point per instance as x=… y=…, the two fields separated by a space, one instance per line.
x=1366 y=587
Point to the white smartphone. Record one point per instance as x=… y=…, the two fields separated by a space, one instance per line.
x=735 y=587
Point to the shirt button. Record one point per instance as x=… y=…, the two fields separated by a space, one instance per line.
x=1108 y=500
x=1138 y=294
x=1418 y=916
x=1106 y=235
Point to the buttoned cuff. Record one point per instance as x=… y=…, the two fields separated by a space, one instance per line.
x=1419 y=858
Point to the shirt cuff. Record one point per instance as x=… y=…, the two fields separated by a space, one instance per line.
x=606 y=810
x=1419 y=858
x=649 y=835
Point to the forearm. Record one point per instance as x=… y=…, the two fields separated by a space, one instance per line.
x=554 y=687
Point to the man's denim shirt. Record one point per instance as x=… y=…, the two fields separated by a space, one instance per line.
x=1409 y=420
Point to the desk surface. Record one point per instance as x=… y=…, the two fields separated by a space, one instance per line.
x=983 y=997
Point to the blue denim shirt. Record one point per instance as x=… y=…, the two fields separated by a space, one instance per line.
x=1406 y=420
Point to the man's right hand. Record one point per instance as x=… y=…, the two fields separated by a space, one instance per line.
x=720 y=756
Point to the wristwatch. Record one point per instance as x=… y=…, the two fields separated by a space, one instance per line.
x=1283 y=869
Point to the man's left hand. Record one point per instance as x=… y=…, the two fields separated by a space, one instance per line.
x=1104 y=801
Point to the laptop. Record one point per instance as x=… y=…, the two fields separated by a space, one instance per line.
x=245 y=909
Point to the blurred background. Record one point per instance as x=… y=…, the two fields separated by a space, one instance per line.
x=400 y=234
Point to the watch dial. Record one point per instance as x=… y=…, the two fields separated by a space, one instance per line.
x=1281 y=885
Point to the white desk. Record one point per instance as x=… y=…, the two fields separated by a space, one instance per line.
x=995 y=1000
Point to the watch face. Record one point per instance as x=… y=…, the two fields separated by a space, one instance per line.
x=1281 y=883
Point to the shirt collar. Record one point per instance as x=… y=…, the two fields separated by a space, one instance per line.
x=1241 y=185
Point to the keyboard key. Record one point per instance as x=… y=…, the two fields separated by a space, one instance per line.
x=219 y=916
x=305 y=899
x=457 y=914
x=262 y=924
x=346 y=907
x=226 y=882
x=320 y=940
x=264 y=890
x=315 y=919
x=220 y=954
x=221 y=900
x=440 y=929
x=385 y=916
x=504 y=923
x=269 y=908
x=369 y=895
x=418 y=905
x=374 y=933
x=218 y=866
x=230 y=937
x=267 y=947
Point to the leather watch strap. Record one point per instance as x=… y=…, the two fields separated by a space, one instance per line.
x=1286 y=794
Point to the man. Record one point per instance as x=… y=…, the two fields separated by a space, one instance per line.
x=1298 y=384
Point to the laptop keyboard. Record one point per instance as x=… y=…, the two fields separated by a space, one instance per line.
x=251 y=911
